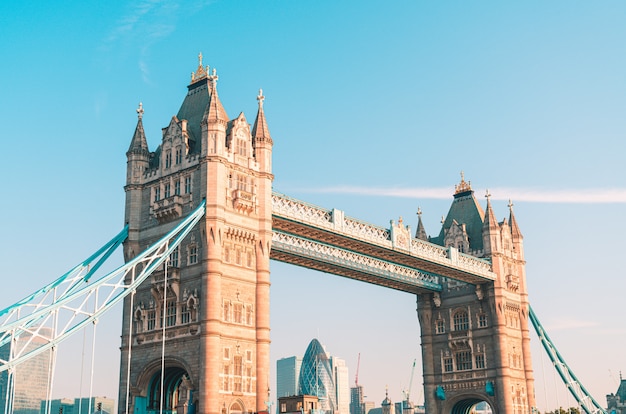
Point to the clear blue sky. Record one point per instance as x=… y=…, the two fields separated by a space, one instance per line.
x=374 y=108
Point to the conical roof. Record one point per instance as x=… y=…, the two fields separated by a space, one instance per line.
x=465 y=209
x=260 y=131
x=139 y=143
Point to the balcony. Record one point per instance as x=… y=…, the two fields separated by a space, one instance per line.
x=168 y=209
x=512 y=282
x=244 y=201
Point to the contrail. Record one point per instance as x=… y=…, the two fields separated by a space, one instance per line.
x=570 y=196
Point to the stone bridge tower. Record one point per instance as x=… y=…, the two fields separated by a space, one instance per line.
x=475 y=339
x=214 y=308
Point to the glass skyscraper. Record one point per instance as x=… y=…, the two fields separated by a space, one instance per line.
x=316 y=377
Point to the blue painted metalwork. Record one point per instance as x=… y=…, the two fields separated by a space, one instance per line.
x=576 y=388
x=82 y=304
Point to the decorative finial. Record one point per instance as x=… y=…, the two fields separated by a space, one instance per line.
x=213 y=78
x=443 y=219
x=140 y=111
x=200 y=59
x=419 y=211
x=487 y=194
x=260 y=98
x=510 y=205
x=463 y=186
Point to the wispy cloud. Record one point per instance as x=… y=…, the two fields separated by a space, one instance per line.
x=143 y=24
x=573 y=196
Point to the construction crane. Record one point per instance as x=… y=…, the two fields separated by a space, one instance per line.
x=356 y=378
x=407 y=393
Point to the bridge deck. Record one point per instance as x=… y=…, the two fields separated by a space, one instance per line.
x=332 y=228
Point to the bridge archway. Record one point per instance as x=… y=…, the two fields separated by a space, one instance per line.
x=177 y=389
x=467 y=405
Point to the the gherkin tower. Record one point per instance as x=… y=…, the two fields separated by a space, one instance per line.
x=316 y=377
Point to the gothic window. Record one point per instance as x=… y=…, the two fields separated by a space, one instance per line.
x=238 y=313
x=447 y=365
x=480 y=361
x=238 y=373
x=463 y=360
x=226 y=377
x=170 y=319
x=227 y=254
x=138 y=320
x=185 y=314
x=249 y=356
x=227 y=311
x=193 y=254
x=179 y=155
x=226 y=353
x=249 y=259
x=249 y=315
x=157 y=193
x=461 y=321
x=238 y=256
x=167 y=190
x=168 y=159
x=188 y=184
x=440 y=326
x=174 y=257
x=177 y=187
x=482 y=320
x=249 y=382
x=151 y=319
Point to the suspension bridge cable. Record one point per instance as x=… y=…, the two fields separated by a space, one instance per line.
x=130 y=335
x=72 y=304
x=163 y=323
x=580 y=393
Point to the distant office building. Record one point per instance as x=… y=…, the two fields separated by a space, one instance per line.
x=317 y=377
x=316 y=374
x=30 y=378
x=287 y=374
x=99 y=405
x=342 y=384
x=356 y=400
x=616 y=403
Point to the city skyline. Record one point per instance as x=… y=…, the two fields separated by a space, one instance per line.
x=527 y=100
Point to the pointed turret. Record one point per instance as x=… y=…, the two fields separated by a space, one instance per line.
x=420 y=233
x=491 y=236
x=260 y=131
x=138 y=155
x=214 y=112
x=515 y=231
x=261 y=139
x=139 y=143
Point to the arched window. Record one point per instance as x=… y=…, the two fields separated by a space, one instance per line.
x=461 y=321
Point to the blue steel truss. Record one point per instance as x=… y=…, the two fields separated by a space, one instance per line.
x=55 y=312
x=575 y=387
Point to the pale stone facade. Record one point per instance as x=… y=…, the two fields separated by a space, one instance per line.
x=475 y=338
x=215 y=305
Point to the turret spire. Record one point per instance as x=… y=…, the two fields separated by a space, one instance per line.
x=215 y=110
x=420 y=233
x=139 y=143
x=490 y=217
x=515 y=231
x=260 y=131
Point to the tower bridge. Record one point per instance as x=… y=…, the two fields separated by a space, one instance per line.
x=203 y=223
